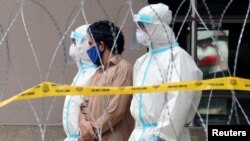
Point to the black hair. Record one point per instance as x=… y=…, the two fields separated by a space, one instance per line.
x=107 y=32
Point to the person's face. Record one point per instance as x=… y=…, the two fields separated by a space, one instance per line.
x=92 y=43
x=141 y=26
x=73 y=41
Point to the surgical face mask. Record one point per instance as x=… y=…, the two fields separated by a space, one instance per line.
x=73 y=52
x=143 y=38
x=93 y=55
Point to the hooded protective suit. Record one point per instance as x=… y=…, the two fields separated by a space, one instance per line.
x=86 y=70
x=162 y=116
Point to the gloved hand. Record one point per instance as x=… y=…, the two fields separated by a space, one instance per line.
x=155 y=138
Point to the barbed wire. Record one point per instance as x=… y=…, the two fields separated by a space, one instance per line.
x=80 y=10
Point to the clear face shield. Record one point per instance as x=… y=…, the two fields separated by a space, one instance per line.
x=76 y=38
x=140 y=37
x=74 y=53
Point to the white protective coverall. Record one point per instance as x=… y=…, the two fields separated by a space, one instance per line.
x=86 y=70
x=164 y=115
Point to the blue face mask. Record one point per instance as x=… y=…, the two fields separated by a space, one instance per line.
x=93 y=55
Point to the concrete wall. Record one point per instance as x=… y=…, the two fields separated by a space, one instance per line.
x=47 y=21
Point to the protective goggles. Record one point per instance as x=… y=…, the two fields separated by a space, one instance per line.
x=141 y=25
x=76 y=36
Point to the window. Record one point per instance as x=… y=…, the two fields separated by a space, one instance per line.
x=227 y=40
x=212 y=51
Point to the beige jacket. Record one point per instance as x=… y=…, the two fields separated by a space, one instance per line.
x=119 y=73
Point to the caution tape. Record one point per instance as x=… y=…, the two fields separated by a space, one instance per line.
x=48 y=89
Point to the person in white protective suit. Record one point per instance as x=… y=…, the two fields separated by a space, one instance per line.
x=162 y=116
x=86 y=69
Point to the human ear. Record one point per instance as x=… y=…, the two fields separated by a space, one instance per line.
x=101 y=46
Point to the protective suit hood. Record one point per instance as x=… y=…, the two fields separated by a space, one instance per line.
x=81 y=46
x=156 y=19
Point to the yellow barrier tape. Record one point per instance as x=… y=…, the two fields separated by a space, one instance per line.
x=47 y=89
